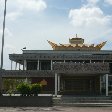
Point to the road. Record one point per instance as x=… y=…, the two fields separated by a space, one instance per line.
x=56 y=109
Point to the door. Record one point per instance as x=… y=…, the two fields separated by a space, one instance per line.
x=78 y=86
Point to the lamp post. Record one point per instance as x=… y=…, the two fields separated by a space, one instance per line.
x=3 y=35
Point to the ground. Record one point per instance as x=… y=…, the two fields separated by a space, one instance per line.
x=56 y=109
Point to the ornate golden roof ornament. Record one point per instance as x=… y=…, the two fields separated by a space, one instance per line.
x=52 y=44
x=62 y=44
x=77 y=44
x=70 y=45
x=76 y=40
x=100 y=45
x=85 y=46
x=92 y=45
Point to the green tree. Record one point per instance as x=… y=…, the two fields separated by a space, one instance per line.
x=24 y=89
x=36 y=89
x=11 y=84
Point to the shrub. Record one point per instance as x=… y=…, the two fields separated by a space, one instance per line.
x=24 y=89
x=36 y=89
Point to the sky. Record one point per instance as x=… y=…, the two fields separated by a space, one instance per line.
x=30 y=23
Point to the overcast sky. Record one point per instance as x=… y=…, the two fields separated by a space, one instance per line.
x=30 y=23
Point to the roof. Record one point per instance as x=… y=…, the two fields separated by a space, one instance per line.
x=77 y=44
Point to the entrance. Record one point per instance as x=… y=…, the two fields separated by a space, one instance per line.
x=80 y=85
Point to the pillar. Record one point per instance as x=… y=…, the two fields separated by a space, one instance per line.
x=58 y=82
x=25 y=65
x=1 y=86
x=16 y=66
x=19 y=67
x=56 y=92
x=26 y=80
x=106 y=85
x=38 y=65
x=25 y=68
x=90 y=61
x=51 y=65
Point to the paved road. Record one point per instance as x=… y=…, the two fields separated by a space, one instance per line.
x=56 y=109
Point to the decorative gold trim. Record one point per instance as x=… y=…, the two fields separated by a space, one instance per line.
x=99 y=46
x=76 y=46
x=52 y=44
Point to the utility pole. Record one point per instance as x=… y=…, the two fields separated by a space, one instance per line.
x=2 y=48
x=3 y=35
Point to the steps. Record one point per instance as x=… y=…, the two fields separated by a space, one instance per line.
x=82 y=101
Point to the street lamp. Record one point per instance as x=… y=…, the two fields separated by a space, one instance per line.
x=3 y=36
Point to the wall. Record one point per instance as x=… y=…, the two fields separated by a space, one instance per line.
x=20 y=101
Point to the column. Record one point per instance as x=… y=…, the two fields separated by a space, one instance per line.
x=16 y=66
x=106 y=84
x=1 y=85
x=25 y=65
x=56 y=92
x=58 y=82
x=11 y=64
x=90 y=61
x=25 y=68
x=19 y=67
x=51 y=65
x=26 y=80
x=64 y=61
x=38 y=65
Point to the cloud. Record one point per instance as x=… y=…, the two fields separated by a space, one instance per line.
x=89 y=17
x=91 y=20
x=17 y=8
x=93 y=1
x=108 y=2
x=36 y=5
x=13 y=15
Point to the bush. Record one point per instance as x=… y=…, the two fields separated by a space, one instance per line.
x=36 y=89
x=24 y=89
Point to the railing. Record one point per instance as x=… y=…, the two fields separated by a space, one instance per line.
x=60 y=56
x=27 y=73
x=81 y=67
x=67 y=67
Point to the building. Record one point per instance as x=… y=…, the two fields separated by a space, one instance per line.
x=74 y=68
